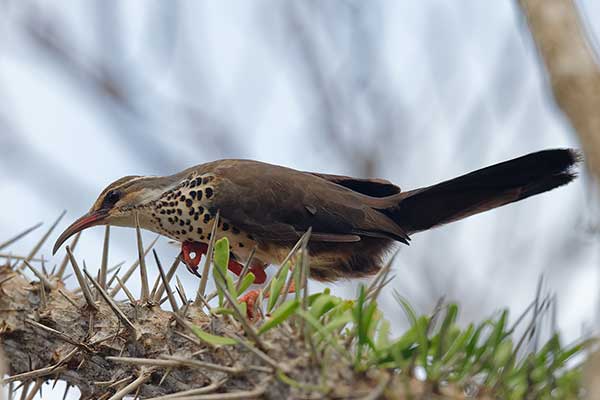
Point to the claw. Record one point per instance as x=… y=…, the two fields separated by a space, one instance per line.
x=193 y=271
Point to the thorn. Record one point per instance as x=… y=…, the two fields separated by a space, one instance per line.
x=145 y=295
x=439 y=306
x=114 y=276
x=91 y=325
x=188 y=362
x=120 y=382
x=35 y=389
x=66 y=296
x=122 y=350
x=104 y=339
x=159 y=291
x=24 y=388
x=195 y=392
x=535 y=334
x=287 y=258
x=19 y=236
x=63 y=265
x=43 y=263
x=80 y=364
x=165 y=376
x=112 y=304
x=41 y=242
x=11 y=257
x=133 y=267
x=304 y=273
x=85 y=289
x=188 y=338
x=163 y=300
x=381 y=279
x=290 y=281
x=165 y=283
x=245 y=269
x=115 y=267
x=151 y=362
x=42 y=292
x=208 y=260
x=36 y=373
x=154 y=288
x=380 y=274
x=181 y=291
x=243 y=319
x=144 y=376
x=67 y=387
x=185 y=324
x=200 y=352
x=60 y=335
x=126 y=291
x=45 y=281
x=104 y=263
x=20 y=386
x=205 y=304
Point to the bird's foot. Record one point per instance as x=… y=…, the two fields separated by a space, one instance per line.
x=187 y=248
x=251 y=297
x=250 y=300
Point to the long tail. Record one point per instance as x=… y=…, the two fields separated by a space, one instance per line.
x=484 y=189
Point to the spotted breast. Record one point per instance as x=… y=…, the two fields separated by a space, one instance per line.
x=187 y=211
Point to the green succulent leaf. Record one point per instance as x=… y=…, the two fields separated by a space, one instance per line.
x=247 y=280
x=212 y=339
x=282 y=313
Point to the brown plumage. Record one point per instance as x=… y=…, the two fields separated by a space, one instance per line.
x=354 y=221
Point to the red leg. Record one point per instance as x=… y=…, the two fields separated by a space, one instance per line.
x=235 y=267
x=260 y=276
x=193 y=247
x=258 y=270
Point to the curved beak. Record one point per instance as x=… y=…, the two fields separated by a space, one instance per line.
x=92 y=218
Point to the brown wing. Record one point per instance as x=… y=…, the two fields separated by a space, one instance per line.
x=279 y=204
x=373 y=187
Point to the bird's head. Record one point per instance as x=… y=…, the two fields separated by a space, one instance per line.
x=118 y=204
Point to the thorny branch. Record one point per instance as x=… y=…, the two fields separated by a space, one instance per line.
x=109 y=349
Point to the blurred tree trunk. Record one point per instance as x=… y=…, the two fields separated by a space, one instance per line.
x=574 y=75
x=571 y=67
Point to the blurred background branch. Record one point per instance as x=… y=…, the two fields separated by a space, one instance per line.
x=414 y=92
x=572 y=68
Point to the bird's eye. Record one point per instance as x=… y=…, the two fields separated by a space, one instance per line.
x=111 y=198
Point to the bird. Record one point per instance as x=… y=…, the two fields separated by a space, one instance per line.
x=354 y=222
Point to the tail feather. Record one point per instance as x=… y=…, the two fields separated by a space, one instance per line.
x=484 y=189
